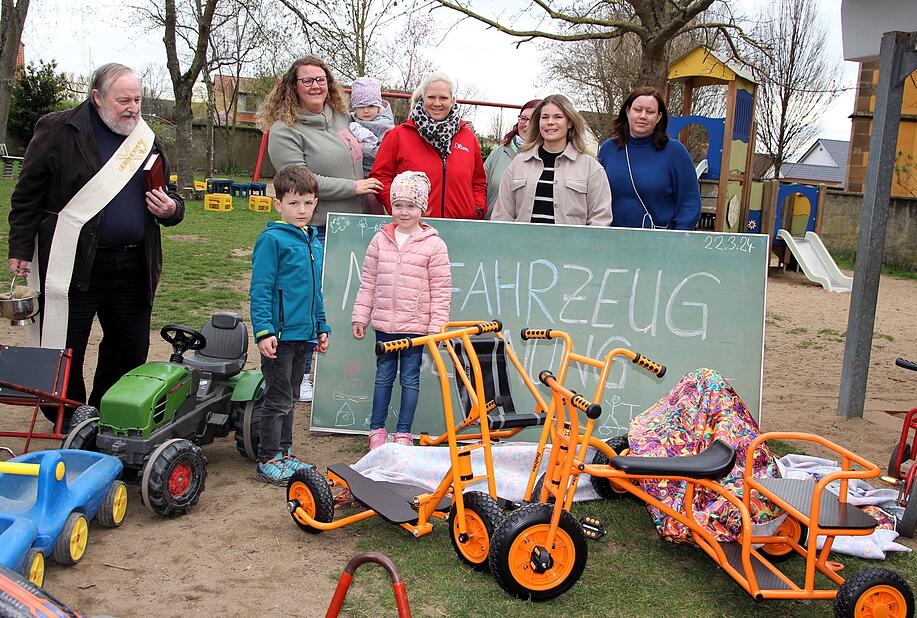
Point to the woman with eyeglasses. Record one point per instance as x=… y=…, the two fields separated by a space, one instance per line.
x=553 y=179
x=652 y=178
x=309 y=124
x=436 y=141
x=499 y=158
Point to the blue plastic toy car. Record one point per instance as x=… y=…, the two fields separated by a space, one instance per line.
x=48 y=498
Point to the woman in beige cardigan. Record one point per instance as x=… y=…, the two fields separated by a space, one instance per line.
x=553 y=179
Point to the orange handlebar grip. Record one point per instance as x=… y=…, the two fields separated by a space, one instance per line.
x=385 y=347
x=536 y=333
x=651 y=366
x=490 y=327
x=592 y=410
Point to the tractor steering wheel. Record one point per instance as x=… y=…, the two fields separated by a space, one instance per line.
x=182 y=339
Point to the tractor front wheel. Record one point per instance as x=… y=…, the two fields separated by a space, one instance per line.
x=173 y=478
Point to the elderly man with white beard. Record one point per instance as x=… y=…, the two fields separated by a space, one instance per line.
x=84 y=225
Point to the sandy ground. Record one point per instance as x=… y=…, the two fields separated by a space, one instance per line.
x=238 y=551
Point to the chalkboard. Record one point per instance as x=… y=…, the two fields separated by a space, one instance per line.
x=684 y=299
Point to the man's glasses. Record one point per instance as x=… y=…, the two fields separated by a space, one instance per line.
x=308 y=81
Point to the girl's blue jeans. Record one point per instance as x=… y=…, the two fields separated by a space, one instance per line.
x=387 y=366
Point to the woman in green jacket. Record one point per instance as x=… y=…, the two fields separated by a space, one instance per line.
x=499 y=158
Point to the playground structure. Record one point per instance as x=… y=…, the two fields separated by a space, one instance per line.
x=790 y=213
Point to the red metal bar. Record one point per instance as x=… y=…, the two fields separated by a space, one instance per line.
x=261 y=149
x=398 y=586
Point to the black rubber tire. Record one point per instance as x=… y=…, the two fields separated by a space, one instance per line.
x=248 y=422
x=519 y=523
x=484 y=508
x=110 y=514
x=860 y=583
x=785 y=553
x=894 y=457
x=82 y=413
x=603 y=486
x=536 y=491
x=62 y=552
x=83 y=436
x=908 y=521
x=50 y=413
x=155 y=490
x=308 y=484
x=30 y=559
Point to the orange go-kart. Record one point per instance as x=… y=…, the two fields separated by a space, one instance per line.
x=539 y=551
x=487 y=416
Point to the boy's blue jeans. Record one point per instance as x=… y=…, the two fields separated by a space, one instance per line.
x=282 y=376
x=386 y=367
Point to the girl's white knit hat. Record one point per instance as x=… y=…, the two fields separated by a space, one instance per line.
x=411 y=187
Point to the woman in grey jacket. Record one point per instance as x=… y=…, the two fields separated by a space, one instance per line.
x=309 y=124
x=553 y=179
x=499 y=158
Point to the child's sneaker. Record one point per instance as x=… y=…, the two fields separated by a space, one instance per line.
x=305 y=390
x=405 y=439
x=274 y=471
x=377 y=438
x=292 y=462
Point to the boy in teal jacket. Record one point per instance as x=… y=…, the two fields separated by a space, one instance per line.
x=288 y=314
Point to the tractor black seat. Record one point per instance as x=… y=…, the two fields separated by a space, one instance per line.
x=227 y=346
x=492 y=358
x=714 y=462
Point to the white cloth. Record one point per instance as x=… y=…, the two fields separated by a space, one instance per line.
x=363 y=135
x=859 y=493
x=88 y=201
x=426 y=466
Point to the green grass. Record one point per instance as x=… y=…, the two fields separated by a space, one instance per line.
x=847 y=261
x=799 y=330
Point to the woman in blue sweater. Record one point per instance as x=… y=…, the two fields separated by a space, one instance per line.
x=652 y=178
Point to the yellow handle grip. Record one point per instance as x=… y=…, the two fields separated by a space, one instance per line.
x=490 y=327
x=386 y=347
x=24 y=469
x=537 y=333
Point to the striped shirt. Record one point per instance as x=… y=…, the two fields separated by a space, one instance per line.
x=543 y=209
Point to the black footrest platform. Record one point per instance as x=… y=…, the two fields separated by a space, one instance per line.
x=712 y=463
x=392 y=501
x=765 y=578
x=832 y=512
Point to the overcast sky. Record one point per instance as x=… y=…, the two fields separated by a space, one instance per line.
x=80 y=37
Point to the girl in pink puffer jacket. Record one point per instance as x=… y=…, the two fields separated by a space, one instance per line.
x=405 y=291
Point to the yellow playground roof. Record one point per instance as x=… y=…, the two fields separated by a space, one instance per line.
x=707 y=67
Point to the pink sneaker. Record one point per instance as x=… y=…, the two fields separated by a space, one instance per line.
x=404 y=439
x=377 y=438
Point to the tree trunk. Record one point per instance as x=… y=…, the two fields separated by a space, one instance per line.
x=211 y=120
x=183 y=117
x=13 y=20
x=654 y=68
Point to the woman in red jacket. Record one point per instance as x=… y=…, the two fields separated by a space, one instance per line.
x=434 y=140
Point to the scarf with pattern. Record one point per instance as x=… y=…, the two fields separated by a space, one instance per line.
x=438 y=134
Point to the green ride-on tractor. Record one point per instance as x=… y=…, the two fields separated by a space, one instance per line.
x=155 y=418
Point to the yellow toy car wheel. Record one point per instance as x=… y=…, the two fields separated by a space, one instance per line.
x=71 y=543
x=34 y=568
x=482 y=516
x=113 y=509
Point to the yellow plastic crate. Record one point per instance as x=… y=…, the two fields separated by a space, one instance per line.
x=200 y=185
x=218 y=202
x=260 y=203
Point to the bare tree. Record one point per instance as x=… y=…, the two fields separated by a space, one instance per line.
x=12 y=20
x=654 y=23
x=347 y=33
x=797 y=78
x=187 y=25
x=405 y=53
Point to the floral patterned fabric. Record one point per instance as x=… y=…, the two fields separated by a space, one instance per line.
x=701 y=408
